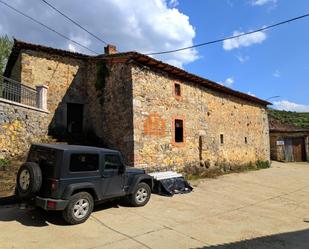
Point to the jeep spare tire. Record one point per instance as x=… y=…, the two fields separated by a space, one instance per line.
x=29 y=180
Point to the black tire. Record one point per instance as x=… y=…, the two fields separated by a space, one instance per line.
x=29 y=180
x=136 y=199
x=70 y=216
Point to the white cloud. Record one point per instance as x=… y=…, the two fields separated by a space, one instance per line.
x=228 y=82
x=71 y=47
x=251 y=94
x=290 y=106
x=242 y=59
x=173 y=3
x=143 y=26
x=263 y=2
x=244 y=41
x=277 y=74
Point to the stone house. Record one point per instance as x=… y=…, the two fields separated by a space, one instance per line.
x=288 y=143
x=154 y=113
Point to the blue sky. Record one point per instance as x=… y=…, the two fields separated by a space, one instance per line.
x=266 y=64
x=278 y=66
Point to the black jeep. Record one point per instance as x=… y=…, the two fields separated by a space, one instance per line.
x=73 y=178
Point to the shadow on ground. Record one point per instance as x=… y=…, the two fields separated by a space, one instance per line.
x=290 y=240
x=12 y=209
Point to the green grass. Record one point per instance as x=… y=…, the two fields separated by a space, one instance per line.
x=300 y=119
x=196 y=172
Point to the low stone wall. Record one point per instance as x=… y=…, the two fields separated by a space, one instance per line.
x=19 y=127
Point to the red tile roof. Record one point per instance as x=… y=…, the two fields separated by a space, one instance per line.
x=276 y=126
x=134 y=57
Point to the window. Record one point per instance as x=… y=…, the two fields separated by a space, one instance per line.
x=177 y=90
x=178 y=130
x=84 y=162
x=246 y=140
x=111 y=162
x=221 y=139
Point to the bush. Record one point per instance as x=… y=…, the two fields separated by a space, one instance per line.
x=262 y=164
x=4 y=164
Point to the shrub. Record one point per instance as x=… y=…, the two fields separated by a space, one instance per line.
x=262 y=164
x=4 y=164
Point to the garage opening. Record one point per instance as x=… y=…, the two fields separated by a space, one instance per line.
x=294 y=149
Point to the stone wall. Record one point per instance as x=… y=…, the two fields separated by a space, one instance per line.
x=135 y=108
x=19 y=127
x=109 y=106
x=107 y=112
x=206 y=115
x=64 y=76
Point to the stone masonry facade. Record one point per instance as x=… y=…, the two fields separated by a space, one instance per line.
x=133 y=108
x=107 y=113
x=19 y=127
x=206 y=115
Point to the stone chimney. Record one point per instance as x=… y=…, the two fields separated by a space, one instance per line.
x=110 y=49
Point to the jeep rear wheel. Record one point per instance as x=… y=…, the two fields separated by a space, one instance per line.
x=79 y=208
x=29 y=180
x=141 y=195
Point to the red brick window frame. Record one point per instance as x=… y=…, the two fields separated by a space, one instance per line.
x=178 y=126
x=177 y=91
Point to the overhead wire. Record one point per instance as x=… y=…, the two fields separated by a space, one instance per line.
x=75 y=22
x=230 y=37
x=47 y=27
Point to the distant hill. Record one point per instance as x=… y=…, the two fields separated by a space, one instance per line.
x=300 y=119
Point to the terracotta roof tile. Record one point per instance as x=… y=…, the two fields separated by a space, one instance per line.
x=133 y=57
x=276 y=126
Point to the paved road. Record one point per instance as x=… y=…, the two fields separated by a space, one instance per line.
x=260 y=209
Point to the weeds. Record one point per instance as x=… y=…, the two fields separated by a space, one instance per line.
x=262 y=164
x=193 y=172
x=4 y=164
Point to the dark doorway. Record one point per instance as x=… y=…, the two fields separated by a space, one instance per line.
x=74 y=118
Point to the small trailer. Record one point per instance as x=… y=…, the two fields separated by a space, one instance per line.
x=169 y=183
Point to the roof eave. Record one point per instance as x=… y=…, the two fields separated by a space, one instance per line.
x=153 y=63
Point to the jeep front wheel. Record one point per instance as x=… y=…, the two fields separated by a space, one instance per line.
x=79 y=208
x=141 y=195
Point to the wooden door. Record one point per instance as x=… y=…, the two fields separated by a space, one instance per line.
x=299 y=149
x=288 y=150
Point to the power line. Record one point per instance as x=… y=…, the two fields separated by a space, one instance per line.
x=47 y=27
x=273 y=97
x=231 y=37
x=76 y=23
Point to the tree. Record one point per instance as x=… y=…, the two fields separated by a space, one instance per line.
x=6 y=45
